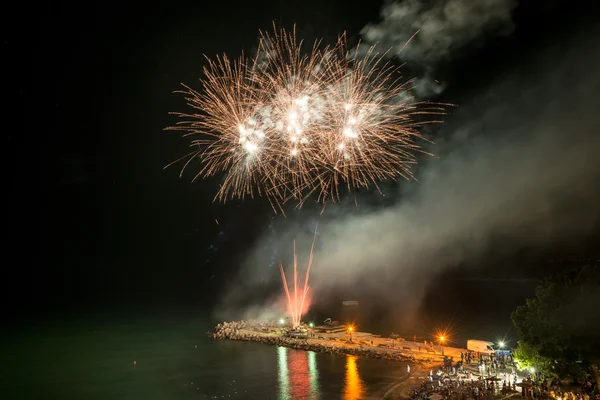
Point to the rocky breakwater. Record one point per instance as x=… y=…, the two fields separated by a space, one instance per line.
x=250 y=331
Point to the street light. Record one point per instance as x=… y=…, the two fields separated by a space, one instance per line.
x=311 y=325
x=442 y=338
x=281 y=321
x=350 y=329
x=501 y=344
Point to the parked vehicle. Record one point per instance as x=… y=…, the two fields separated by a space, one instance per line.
x=480 y=346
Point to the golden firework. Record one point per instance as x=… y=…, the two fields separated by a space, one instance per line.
x=288 y=123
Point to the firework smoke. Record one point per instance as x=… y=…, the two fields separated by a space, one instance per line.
x=444 y=29
x=518 y=170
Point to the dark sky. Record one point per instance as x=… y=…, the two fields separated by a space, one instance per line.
x=115 y=225
x=109 y=227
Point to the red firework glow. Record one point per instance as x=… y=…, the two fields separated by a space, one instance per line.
x=300 y=302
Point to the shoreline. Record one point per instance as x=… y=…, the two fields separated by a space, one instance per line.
x=402 y=389
x=422 y=359
x=332 y=343
x=364 y=345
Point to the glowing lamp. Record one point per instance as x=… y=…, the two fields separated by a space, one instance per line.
x=442 y=338
x=281 y=321
x=501 y=344
x=311 y=324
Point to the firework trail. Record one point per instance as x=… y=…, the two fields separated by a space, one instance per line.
x=287 y=123
x=296 y=305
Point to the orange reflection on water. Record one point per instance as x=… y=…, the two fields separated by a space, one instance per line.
x=354 y=389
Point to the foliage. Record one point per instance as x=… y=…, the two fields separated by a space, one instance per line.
x=527 y=357
x=559 y=326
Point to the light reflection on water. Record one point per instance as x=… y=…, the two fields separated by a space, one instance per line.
x=313 y=372
x=282 y=373
x=354 y=388
x=95 y=360
x=299 y=376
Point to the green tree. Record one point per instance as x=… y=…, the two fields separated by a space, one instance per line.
x=560 y=326
x=527 y=357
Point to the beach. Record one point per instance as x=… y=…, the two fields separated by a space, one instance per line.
x=422 y=358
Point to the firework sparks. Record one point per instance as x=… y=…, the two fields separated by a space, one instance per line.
x=288 y=123
x=297 y=304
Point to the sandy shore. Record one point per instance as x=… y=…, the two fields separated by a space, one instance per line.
x=402 y=389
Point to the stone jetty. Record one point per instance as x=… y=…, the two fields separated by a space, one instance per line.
x=362 y=344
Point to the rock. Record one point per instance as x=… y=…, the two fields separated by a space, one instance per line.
x=233 y=331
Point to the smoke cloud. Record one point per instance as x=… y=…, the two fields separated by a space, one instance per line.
x=445 y=28
x=518 y=167
x=235 y=306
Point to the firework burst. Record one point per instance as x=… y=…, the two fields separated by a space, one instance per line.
x=288 y=123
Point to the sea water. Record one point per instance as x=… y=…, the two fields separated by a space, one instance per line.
x=157 y=358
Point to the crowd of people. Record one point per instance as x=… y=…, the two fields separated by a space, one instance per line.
x=489 y=364
x=495 y=377
x=537 y=386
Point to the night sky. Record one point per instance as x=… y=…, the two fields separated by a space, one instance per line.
x=109 y=229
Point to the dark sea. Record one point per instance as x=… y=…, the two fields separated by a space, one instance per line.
x=170 y=358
